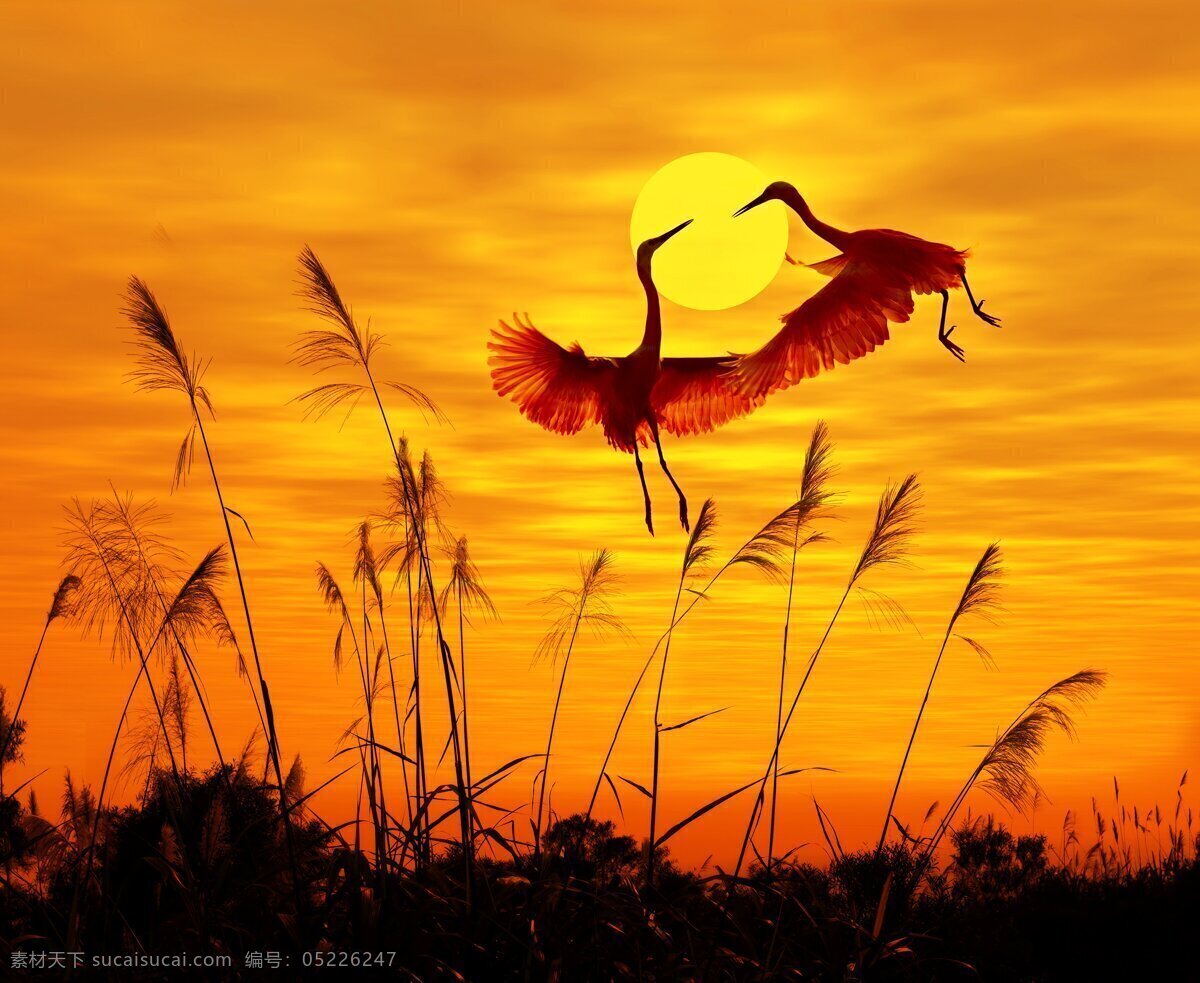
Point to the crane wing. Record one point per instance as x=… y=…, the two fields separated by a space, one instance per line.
x=561 y=389
x=844 y=320
x=695 y=395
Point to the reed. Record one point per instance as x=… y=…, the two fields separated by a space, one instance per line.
x=696 y=554
x=60 y=606
x=762 y=552
x=162 y=364
x=588 y=605
x=793 y=528
x=888 y=543
x=369 y=571
x=465 y=587
x=128 y=522
x=980 y=597
x=368 y=747
x=402 y=555
x=1006 y=770
x=344 y=344
x=96 y=551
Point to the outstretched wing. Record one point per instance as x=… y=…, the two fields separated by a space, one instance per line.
x=557 y=388
x=844 y=320
x=695 y=395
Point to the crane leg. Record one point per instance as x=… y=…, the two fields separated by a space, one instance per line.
x=944 y=335
x=637 y=459
x=683 y=509
x=977 y=307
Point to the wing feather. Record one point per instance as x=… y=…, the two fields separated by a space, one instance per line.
x=844 y=320
x=561 y=389
x=696 y=395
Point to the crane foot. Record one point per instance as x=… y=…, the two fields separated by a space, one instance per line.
x=984 y=316
x=950 y=346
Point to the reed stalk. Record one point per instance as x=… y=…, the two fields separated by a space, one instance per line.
x=346 y=344
x=127 y=519
x=60 y=606
x=1007 y=765
x=162 y=364
x=466 y=587
x=888 y=543
x=760 y=552
x=979 y=597
x=586 y=605
x=697 y=552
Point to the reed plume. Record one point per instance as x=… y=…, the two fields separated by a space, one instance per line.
x=145 y=740
x=891 y=535
x=980 y=597
x=12 y=735
x=115 y=587
x=415 y=496
x=186 y=615
x=1006 y=770
x=206 y=614
x=772 y=549
x=343 y=343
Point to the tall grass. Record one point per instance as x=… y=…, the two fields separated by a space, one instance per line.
x=128 y=522
x=411 y=504
x=585 y=606
x=695 y=555
x=888 y=543
x=980 y=598
x=368 y=746
x=792 y=531
x=368 y=570
x=60 y=605
x=114 y=588
x=162 y=364
x=343 y=344
x=1006 y=770
x=576 y=901
x=761 y=552
x=465 y=587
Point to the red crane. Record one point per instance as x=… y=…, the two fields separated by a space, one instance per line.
x=632 y=397
x=873 y=281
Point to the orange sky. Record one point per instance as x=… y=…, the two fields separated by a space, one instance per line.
x=452 y=162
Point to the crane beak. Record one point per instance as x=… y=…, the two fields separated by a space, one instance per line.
x=752 y=204
x=675 y=231
x=650 y=246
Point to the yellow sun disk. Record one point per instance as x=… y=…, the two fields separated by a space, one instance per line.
x=718 y=261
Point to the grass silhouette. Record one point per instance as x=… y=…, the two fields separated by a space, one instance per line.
x=465 y=878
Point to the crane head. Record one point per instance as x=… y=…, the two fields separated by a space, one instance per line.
x=647 y=249
x=778 y=191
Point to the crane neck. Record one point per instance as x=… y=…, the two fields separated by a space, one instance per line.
x=652 y=338
x=835 y=237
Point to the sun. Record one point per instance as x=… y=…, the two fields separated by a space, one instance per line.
x=719 y=261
